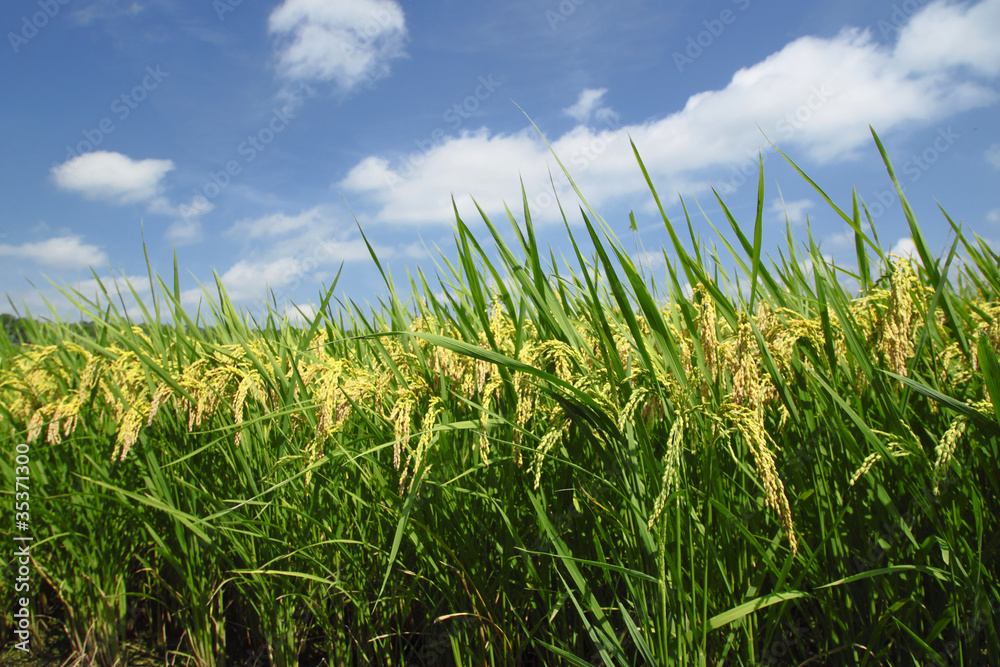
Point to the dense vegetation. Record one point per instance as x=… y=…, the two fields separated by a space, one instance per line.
x=522 y=465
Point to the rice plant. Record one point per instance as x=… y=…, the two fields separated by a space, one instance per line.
x=522 y=464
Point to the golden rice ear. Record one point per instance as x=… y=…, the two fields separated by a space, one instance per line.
x=250 y=381
x=400 y=416
x=749 y=424
x=559 y=423
x=128 y=432
x=706 y=322
x=161 y=396
x=416 y=458
x=896 y=324
x=945 y=450
x=671 y=470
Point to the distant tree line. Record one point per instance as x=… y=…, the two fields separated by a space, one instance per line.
x=18 y=329
x=14 y=327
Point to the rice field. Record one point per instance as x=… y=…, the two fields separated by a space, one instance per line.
x=515 y=463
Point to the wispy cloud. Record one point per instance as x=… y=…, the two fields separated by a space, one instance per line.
x=589 y=100
x=992 y=155
x=795 y=211
x=278 y=224
x=104 y=10
x=284 y=251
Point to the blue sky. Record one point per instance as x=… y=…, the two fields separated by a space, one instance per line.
x=247 y=136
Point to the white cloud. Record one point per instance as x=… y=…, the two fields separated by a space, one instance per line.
x=113 y=176
x=320 y=232
x=992 y=155
x=476 y=163
x=119 y=178
x=843 y=239
x=952 y=35
x=794 y=210
x=348 y=42
x=186 y=227
x=649 y=259
x=994 y=215
x=184 y=231
x=249 y=280
x=278 y=224
x=300 y=314
x=63 y=252
x=585 y=105
x=809 y=267
x=818 y=94
x=904 y=247
x=297 y=250
x=106 y=10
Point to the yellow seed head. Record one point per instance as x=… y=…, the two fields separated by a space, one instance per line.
x=671 y=469
x=750 y=426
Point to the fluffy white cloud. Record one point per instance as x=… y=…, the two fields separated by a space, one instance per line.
x=113 y=176
x=952 y=35
x=795 y=211
x=345 y=41
x=905 y=247
x=818 y=94
x=299 y=315
x=63 y=252
x=420 y=188
x=119 y=178
x=585 y=105
x=248 y=279
x=994 y=215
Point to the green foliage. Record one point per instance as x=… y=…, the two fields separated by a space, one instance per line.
x=534 y=468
